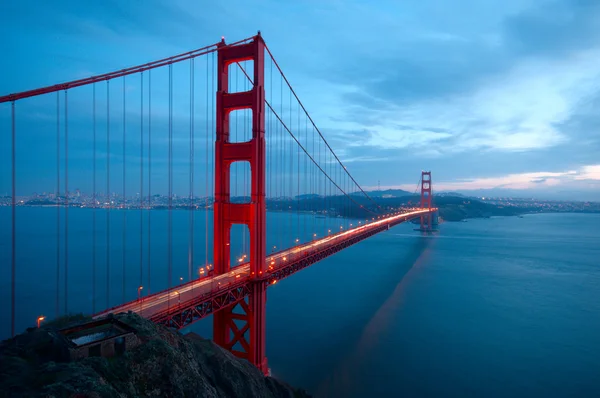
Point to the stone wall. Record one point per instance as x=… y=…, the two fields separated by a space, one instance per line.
x=107 y=347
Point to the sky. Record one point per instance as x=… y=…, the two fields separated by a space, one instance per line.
x=492 y=97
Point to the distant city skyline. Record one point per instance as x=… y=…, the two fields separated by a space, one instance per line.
x=479 y=194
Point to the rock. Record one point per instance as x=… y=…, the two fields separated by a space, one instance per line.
x=166 y=364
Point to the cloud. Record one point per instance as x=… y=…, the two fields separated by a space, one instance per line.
x=521 y=109
x=557 y=27
x=510 y=181
x=517 y=181
x=480 y=87
x=589 y=173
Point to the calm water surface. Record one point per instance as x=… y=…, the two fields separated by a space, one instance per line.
x=497 y=307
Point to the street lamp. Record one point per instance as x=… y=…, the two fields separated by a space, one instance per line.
x=39 y=320
x=140 y=298
x=180 y=279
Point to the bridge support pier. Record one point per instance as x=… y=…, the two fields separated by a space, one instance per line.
x=240 y=328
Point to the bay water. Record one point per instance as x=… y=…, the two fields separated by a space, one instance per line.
x=490 y=307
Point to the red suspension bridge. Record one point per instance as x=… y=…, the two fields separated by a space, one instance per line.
x=230 y=133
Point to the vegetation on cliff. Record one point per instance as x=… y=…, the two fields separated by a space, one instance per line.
x=166 y=364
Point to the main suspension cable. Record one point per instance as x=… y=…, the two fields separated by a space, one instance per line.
x=305 y=150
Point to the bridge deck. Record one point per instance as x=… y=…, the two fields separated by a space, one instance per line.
x=186 y=303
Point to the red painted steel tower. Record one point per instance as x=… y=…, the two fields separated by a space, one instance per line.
x=240 y=328
x=426 y=199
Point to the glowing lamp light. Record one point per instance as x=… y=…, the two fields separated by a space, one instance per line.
x=39 y=320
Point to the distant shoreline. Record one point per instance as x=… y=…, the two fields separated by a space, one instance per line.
x=444 y=211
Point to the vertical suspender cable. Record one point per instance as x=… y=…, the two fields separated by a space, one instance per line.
x=270 y=138
x=244 y=169
x=141 y=178
x=305 y=172
x=149 y=174
x=245 y=177
x=66 y=204
x=213 y=131
x=298 y=177
x=94 y=205
x=191 y=204
x=282 y=173
x=170 y=182
x=108 y=205
x=328 y=191
x=291 y=173
x=57 y=203
x=235 y=166
x=314 y=184
x=214 y=127
x=321 y=161
x=341 y=194
x=124 y=205
x=13 y=206
x=207 y=183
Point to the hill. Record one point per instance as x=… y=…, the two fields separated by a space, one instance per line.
x=165 y=364
x=387 y=192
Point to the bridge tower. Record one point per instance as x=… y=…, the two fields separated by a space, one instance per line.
x=240 y=328
x=426 y=200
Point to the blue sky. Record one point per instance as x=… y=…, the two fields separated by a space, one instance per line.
x=492 y=96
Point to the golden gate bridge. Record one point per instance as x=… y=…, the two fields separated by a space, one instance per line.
x=224 y=121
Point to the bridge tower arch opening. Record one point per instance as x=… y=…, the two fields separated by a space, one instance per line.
x=240 y=328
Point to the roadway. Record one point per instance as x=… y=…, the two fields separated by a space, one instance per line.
x=176 y=297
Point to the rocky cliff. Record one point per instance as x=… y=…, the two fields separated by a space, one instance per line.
x=166 y=364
